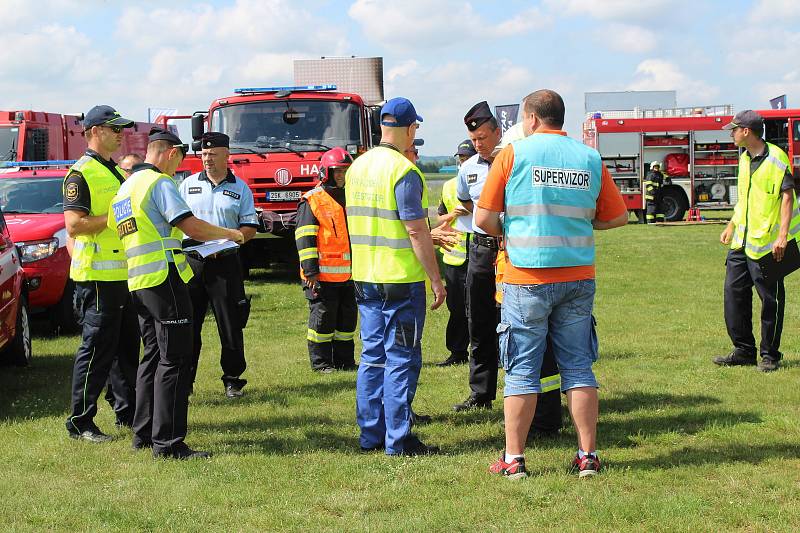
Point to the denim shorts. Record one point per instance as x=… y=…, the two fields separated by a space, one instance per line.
x=528 y=314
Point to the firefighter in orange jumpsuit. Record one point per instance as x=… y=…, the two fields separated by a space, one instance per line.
x=324 y=249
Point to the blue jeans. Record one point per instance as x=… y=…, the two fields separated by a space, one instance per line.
x=528 y=313
x=392 y=319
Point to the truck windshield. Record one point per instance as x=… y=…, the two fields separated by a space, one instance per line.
x=31 y=195
x=302 y=125
x=8 y=143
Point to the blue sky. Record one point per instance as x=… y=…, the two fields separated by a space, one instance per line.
x=65 y=56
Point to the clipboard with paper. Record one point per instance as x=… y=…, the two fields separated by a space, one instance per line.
x=210 y=248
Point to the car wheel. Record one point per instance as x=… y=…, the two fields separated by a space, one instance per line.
x=63 y=319
x=18 y=352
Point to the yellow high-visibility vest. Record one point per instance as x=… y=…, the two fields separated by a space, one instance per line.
x=379 y=242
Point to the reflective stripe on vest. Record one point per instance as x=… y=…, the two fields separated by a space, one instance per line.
x=145 y=248
x=98 y=257
x=756 y=217
x=333 y=244
x=379 y=241
x=551 y=198
x=457 y=255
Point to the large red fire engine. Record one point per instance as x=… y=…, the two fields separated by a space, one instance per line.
x=277 y=136
x=693 y=149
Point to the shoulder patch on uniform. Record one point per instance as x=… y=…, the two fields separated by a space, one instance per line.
x=472 y=178
x=71 y=191
x=232 y=194
x=195 y=190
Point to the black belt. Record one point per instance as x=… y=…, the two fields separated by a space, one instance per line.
x=486 y=240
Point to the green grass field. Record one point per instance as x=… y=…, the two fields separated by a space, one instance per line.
x=687 y=446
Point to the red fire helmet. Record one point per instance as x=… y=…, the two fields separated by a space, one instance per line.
x=334 y=158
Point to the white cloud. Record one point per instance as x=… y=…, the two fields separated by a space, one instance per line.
x=406 y=68
x=429 y=25
x=774 y=11
x=627 y=38
x=618 y=10
x=662 y=75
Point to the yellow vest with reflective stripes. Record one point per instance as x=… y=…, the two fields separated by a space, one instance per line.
x=757 y=215
x=145 y=248
x=380 y=245
x=457 y=255
x=98 y=257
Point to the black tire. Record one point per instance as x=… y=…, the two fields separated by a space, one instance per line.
x=674 y=203
x=63 y=320
x=18 y=352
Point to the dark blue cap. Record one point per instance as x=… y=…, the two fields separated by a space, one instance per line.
x=104 y=115
x=466 y=148
x=403 y=112
x=477 y=115
x=160 y=134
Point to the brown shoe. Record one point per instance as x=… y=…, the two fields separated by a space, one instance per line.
x=768 y=364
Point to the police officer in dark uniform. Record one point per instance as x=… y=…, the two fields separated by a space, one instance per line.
x=220 y=198
x=485 y=134
x=150 y=217
x=98 y=268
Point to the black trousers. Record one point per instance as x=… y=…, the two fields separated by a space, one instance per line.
x=547 y=417
x=741 y=274
x=483 y=320
x=333 y=315
x=219 y=282
x=109 y=333
x=457 y=333
x=163 y=379
x=121 y=385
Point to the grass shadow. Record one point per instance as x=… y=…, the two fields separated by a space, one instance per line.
x=722 y=455
x=636 y=400
x=39 y=390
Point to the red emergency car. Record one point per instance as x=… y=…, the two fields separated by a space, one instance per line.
x=32 y=203
x=15 y=331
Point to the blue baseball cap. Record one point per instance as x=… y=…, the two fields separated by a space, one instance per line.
x=104 y=115
x=403 y=112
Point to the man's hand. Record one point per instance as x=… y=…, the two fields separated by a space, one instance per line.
x=727 y=233
x=236 y=236
x=445 y=236
x=460 y=211
x=779 y=248
x=439 y=294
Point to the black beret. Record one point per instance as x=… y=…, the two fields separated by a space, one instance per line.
x=477 y=115
x=214 y=139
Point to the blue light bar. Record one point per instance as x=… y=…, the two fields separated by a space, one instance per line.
x=255 y=90
x=51 y=163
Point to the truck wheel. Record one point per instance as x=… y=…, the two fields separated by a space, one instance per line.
x=674 y=202
x=63 y=320
x=18 y=352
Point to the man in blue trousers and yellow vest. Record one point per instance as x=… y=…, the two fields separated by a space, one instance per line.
x=100 y=273
x=392 y=253
x=150 y=217
x=765 y=218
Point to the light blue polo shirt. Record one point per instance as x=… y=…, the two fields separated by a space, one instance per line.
x=229 y=204
x=471 y=177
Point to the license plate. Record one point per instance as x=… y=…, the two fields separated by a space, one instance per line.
x=282 y=196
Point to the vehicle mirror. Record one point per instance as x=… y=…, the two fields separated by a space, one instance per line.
x=198 y=124
x=290 y=116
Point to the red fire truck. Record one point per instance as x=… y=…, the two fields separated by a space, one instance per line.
x=694 y=151
x=277 y=136
x=40 y=136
